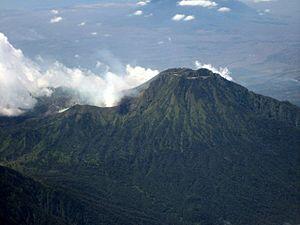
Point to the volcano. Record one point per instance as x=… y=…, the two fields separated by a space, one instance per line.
x=190 y=148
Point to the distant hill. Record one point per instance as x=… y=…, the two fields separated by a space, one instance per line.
x=191 y=148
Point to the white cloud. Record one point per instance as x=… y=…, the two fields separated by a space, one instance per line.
x=56 y=19
x=17 y=80
x=224 y=72
x=224 y=9
x=264 y=12
x=81 y=24
x=138 y=75
x=21 y=80
x=178 y=17
x=94 y=33
x=138 y=13
x=201 y=3
x=54 y=11
x=188 y=18
x=143 y=3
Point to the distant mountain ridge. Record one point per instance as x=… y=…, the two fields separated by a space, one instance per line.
x=191 y=148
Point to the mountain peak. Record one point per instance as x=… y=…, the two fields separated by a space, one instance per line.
x=208 y=92
x=190 y=140
x=189 y=73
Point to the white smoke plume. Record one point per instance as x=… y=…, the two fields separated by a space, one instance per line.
x=224 y=72
x=21 y=80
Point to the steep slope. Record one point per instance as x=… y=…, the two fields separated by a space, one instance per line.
x=192 y=148
x=25 y=201
x=18 y=203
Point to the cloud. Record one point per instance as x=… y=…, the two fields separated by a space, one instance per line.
x=17 y=80
x=22 y=80
x=102 y=66
x=56 y=19
x=188 y=18
x=224 y=72
x=138 y=13
x=179 y=17
x=54 y=11
x=134 y=77
x=143 y=3
x=201 y=3
x=264 y=12
x=81 y=24
x=224 y=9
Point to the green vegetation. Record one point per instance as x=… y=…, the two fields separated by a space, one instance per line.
x=192 y=148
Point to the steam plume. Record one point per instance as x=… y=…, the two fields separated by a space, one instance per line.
x=224 y=72
x=22 y=80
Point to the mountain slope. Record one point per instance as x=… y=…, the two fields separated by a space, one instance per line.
x=25 y=201
x=191 y=148
x=18 y=203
